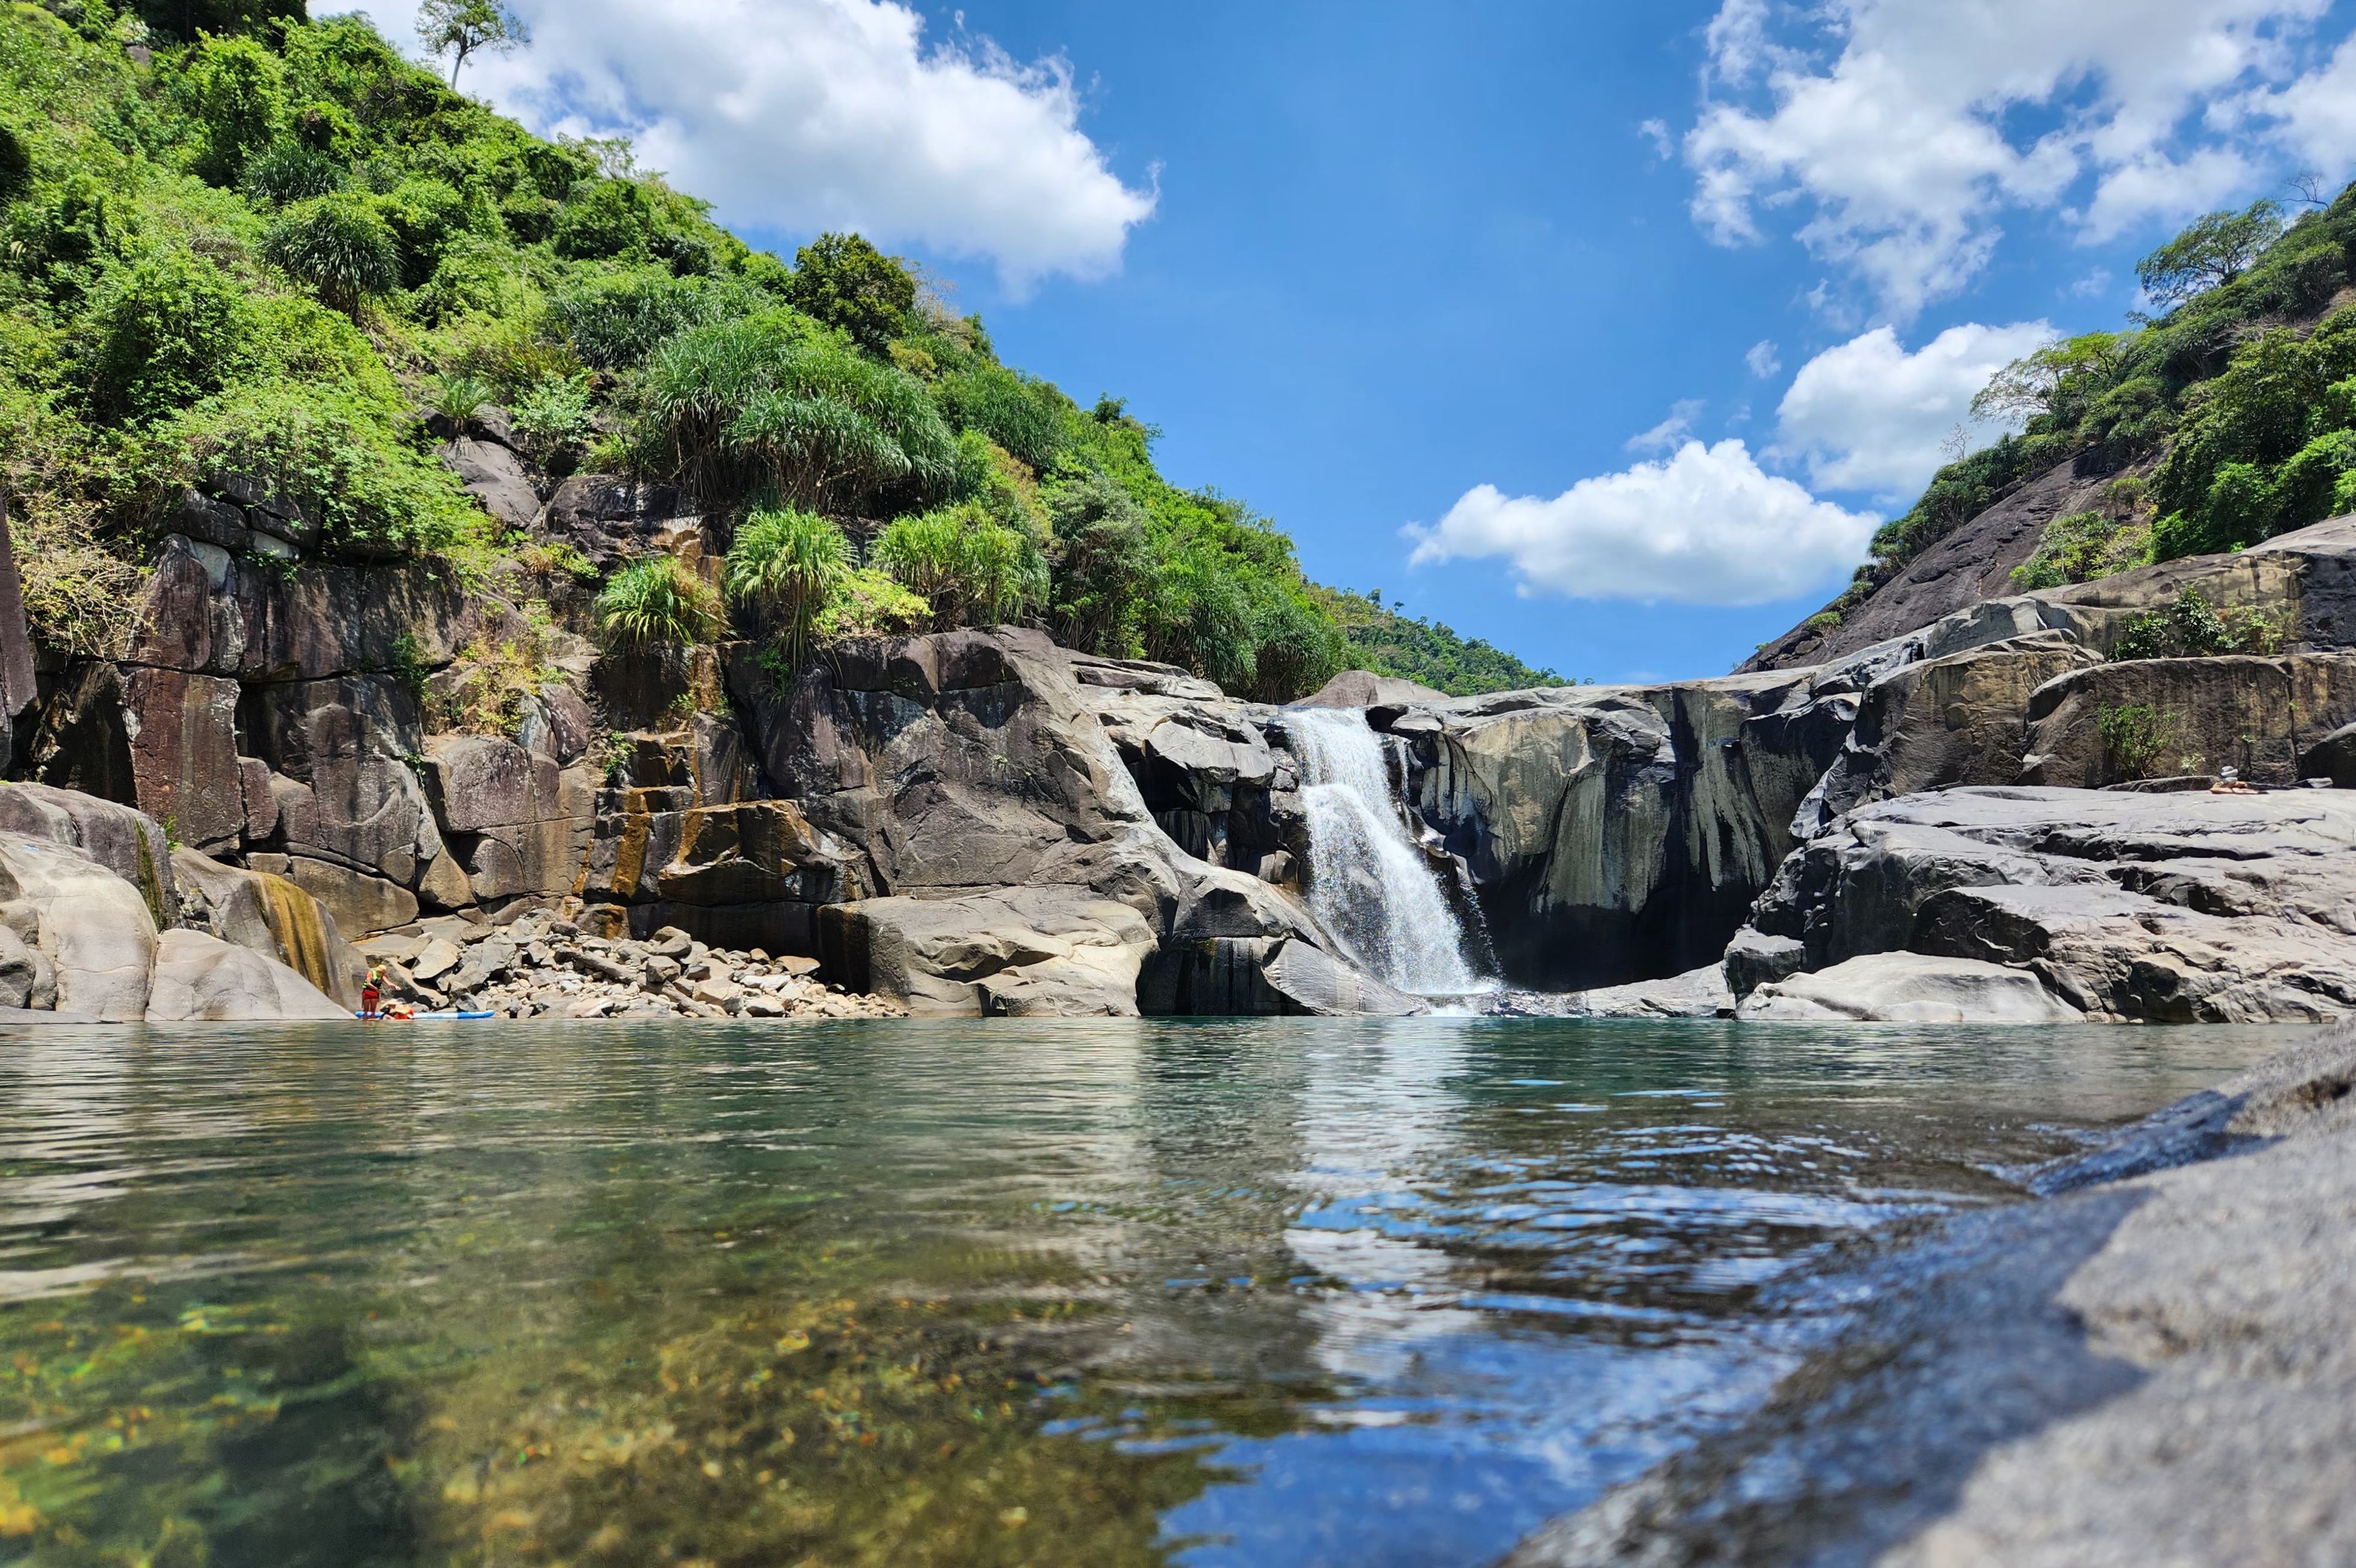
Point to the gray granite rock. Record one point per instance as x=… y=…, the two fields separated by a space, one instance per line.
x=2170 y=907
x=2155 y=1369
x=1908 y=987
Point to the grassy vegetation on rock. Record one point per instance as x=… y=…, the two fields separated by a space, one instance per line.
x=244 y=251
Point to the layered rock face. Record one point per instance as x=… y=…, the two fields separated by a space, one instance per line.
x=2181 y=908
x=981 y=822
x=974 y=792
x=1620 y=835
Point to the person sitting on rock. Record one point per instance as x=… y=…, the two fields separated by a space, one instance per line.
x=2229 y=781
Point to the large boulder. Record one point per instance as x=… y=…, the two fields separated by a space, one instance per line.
x=91 y=927
x=202 y=978
x=2176 y=907
x=271 y=916
x=1964 y=718
x=1309 y=981
x=1908 y=987
x=128 y=843
x=495 y=476
x=1702 y=994
x=1014 y=951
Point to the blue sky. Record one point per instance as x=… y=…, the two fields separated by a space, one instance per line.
x=1511 y=275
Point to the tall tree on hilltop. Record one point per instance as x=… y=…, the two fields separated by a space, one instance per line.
x=463 y=27
x=2216 y=250
x=843 y=281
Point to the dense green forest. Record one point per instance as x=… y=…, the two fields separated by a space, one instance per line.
x=2229 y=418
x=235 y=240
x=1383 y=640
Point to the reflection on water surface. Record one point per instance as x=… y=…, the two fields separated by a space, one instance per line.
x=1251 y=1295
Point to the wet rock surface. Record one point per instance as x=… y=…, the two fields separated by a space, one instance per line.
x=2153 y=1368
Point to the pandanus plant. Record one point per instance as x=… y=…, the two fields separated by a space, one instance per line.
x=786 y=566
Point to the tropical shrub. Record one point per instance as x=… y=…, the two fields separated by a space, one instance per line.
x=459 y=399
x=2193 y=628
x=786 y=567
x=2134 y=736
x=339 y=248
x=238 y=91
x=772 y=402
x=557 y=414
x=287 y=172
x=329 y=453
x=970 y=569
x=658 y=603
x=1018 y=415
x=163 y=332
x=2081 y=546
x=1099 y=566
x=614 y=320
x=867 y=603
x=426 y=217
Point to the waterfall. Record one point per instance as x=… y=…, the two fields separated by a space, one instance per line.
x=1370 y=884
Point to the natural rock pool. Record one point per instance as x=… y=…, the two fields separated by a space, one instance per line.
x=1261 y=1294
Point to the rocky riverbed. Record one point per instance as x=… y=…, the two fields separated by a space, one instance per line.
x=545 y=967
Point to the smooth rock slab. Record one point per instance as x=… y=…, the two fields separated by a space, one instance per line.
x=1697 y=994
x=202 y=978
x=1908 y=987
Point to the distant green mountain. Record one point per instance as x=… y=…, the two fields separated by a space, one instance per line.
x=1388 y=642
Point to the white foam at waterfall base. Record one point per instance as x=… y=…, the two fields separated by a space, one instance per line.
x=1369 y=884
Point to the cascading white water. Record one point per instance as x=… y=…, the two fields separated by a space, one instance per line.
x=1367 y=881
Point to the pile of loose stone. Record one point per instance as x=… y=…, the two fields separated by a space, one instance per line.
x=542 y=966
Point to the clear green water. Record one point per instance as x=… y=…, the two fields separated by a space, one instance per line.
x=1251 y=1294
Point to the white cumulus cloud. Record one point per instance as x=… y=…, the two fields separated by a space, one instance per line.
x=1904 y=129
x=809 y=114
x=1870 y=416
x=1706 y=526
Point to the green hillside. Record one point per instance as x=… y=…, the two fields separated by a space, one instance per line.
x=281 y=251
x=1388 y=642
x=2241 y=400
